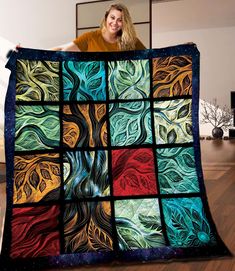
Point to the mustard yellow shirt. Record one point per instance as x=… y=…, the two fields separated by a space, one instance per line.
x=93 y=41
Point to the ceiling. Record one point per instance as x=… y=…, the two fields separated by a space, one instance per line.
x=180 y=15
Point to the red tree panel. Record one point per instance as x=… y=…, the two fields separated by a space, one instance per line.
x=133 y=172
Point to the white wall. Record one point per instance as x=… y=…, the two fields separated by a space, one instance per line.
x=217 y=58
x=38 y=23
x=211 y=25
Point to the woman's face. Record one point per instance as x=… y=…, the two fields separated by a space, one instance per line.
x=114 y=21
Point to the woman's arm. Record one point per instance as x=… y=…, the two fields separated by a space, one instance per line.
x=69 y=47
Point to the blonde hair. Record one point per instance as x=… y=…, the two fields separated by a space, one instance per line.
x=127 y=37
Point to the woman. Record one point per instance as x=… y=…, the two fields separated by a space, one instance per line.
x=116 y=33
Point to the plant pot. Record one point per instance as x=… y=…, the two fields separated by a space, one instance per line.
x=217 y=132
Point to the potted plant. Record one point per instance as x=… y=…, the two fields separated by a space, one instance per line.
x=219 y=118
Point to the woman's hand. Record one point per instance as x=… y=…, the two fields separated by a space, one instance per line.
x=12 y=50
x=17 y=47
x=69 y=47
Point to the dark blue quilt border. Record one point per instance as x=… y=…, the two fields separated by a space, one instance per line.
x=37 y=54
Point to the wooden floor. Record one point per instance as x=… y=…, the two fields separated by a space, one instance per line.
x=218 y=160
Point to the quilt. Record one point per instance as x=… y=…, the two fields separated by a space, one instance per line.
x=103 y=159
